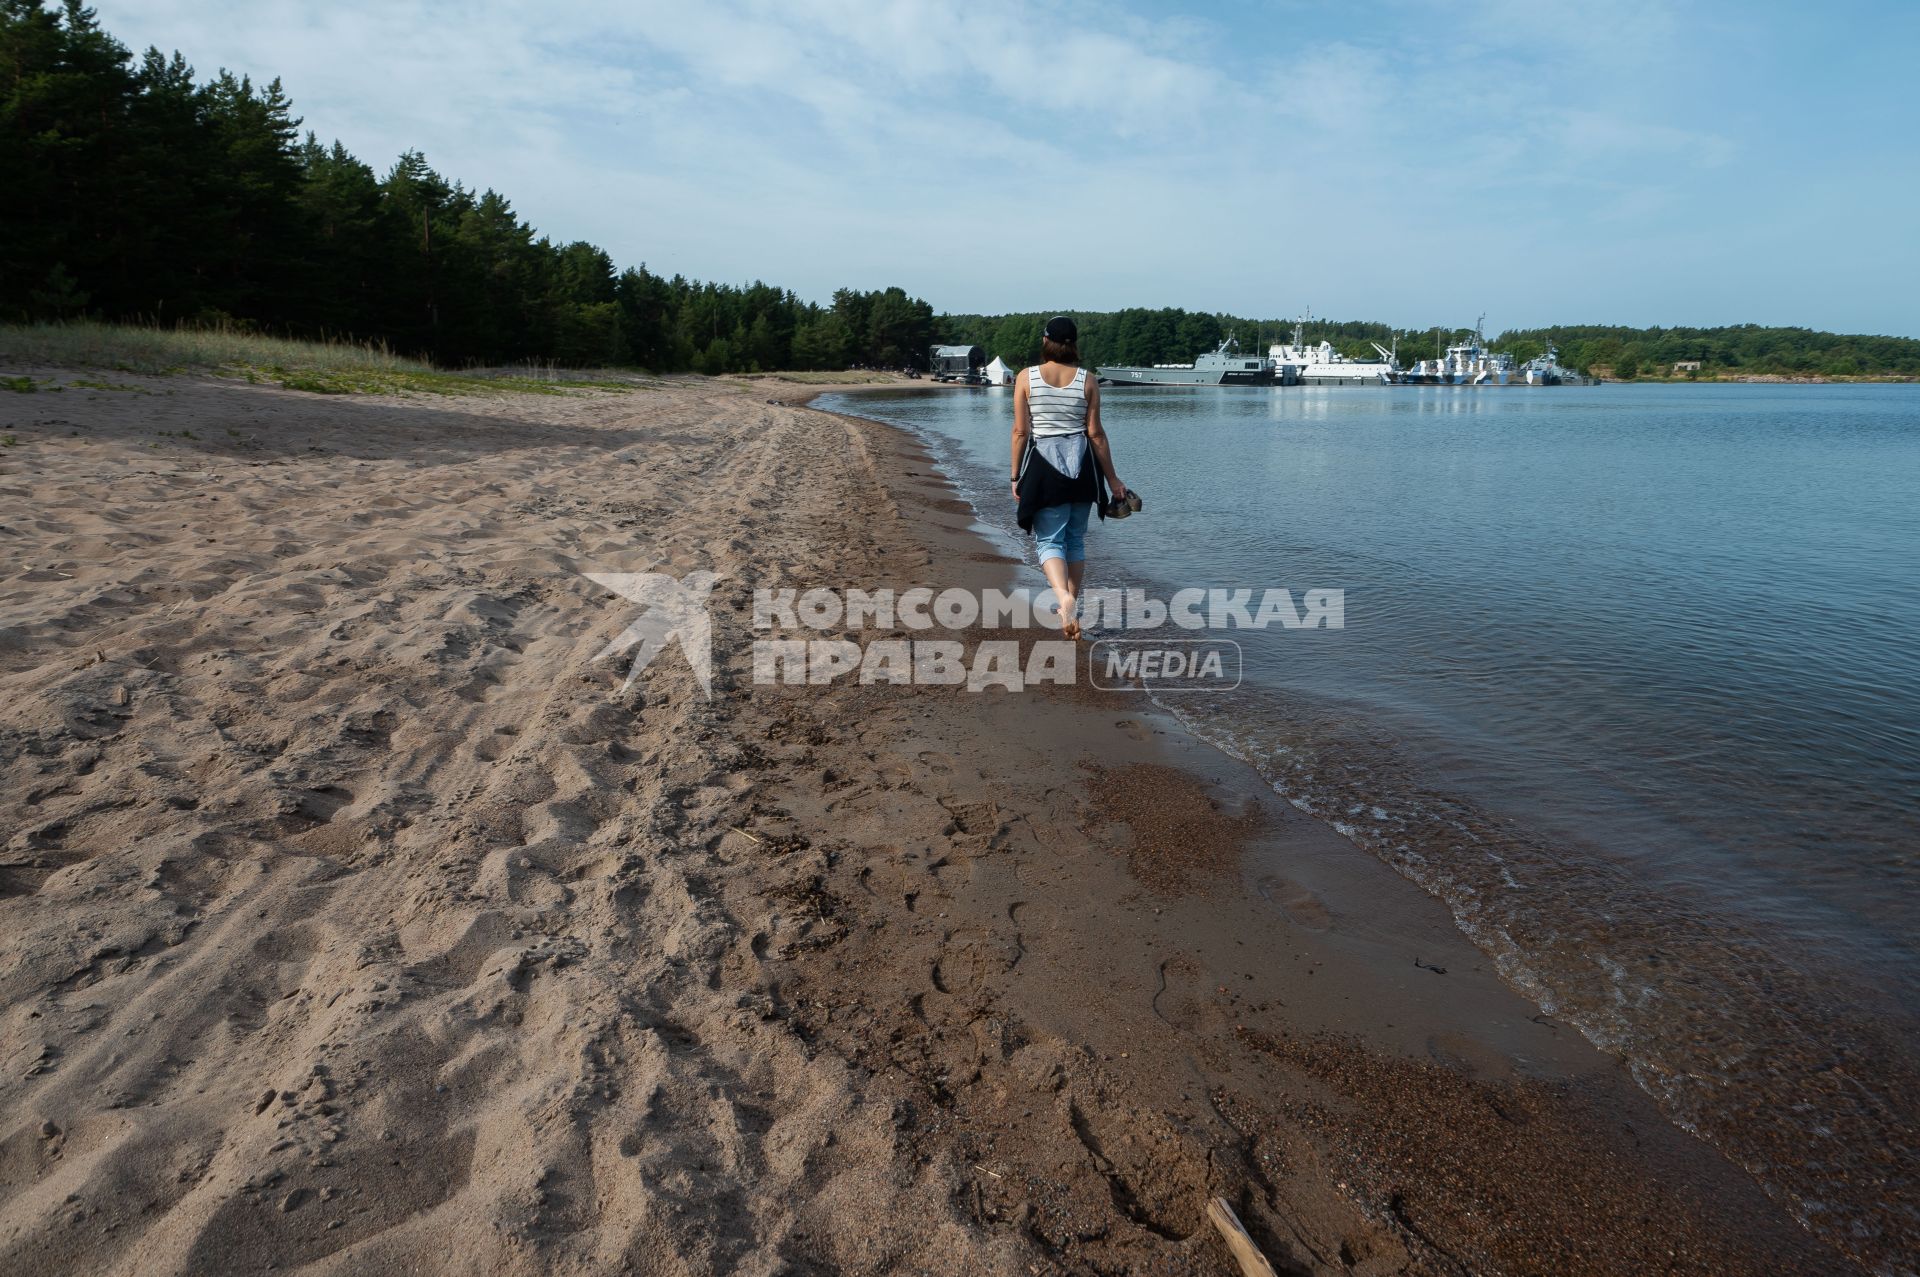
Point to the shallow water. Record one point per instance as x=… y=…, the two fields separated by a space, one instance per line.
x=1630 y=677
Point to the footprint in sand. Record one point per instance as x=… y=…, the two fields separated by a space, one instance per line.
x=1302 y=907
x=319 y=806
x=1155 y=1179
x=479 y=689
x=890 y=771
x=1184 y=999
x=973 y=957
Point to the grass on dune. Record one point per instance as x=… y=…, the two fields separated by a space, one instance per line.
x=151 y=349
x=329 y=367
x=821 y=378
x=346 y=381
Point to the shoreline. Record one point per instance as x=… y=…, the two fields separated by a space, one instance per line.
x=350 y=882
x=1487 y=1030
x=1763 y=379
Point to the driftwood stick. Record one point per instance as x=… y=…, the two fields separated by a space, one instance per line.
x=1245 y=1253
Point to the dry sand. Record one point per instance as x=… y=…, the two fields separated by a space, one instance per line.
x=354 y=919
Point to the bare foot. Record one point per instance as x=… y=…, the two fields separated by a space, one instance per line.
x=1069 y=616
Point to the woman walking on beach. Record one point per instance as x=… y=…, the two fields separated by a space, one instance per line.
x=1056 y=423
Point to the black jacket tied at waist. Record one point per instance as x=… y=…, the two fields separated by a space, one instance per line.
x=1041 y=485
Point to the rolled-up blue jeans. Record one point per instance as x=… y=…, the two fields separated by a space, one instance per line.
x=1061 y=531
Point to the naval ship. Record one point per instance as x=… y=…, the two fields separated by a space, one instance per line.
x=1468 y=364
x=1545 y=370
x=1322 y=365
x=1225 y=365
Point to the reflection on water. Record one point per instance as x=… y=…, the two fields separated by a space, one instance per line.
x=1630 y=679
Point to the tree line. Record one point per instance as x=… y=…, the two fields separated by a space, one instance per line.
x=129 y=191
x=1175 y=336
x=132 y=192
x=1170 y=335
x=1737 y=349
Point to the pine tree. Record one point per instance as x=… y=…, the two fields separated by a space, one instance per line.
x=131 y=192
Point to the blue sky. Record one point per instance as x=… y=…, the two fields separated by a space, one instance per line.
x=1614 y=161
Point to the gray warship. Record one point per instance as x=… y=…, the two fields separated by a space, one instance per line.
x=1225 y=365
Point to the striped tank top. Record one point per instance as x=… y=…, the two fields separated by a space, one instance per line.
x=1057 y=410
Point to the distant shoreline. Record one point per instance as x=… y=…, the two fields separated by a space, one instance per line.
x=1770 y=379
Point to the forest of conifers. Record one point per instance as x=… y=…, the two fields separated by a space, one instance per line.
x=133 y=193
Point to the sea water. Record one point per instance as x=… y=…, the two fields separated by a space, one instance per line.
x=1629 y=677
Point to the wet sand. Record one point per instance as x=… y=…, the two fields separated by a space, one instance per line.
x=355 y=919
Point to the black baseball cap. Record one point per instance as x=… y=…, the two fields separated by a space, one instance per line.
x=1062 y=328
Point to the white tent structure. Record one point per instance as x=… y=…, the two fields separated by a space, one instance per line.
x=998 y=374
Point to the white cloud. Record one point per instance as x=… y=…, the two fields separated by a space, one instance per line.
x=1391 y=159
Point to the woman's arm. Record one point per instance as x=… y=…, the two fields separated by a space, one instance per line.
x=1097 y=436
x=1022 y=427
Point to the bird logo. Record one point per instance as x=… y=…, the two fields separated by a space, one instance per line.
x=671 y=608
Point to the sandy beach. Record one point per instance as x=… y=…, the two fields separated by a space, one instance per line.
x=355 y=918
